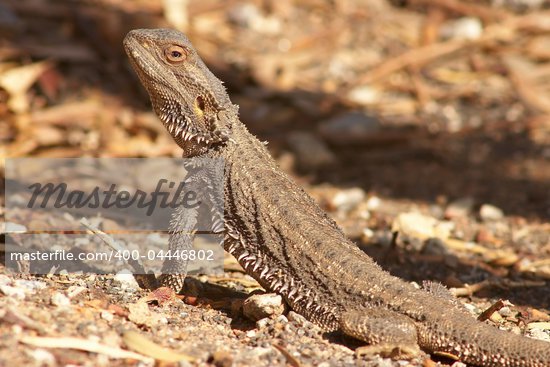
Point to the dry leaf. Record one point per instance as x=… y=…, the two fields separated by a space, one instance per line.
x=141 y=344
x=82 y=344
x=17 y=81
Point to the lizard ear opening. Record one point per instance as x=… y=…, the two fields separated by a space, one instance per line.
x=199 y=105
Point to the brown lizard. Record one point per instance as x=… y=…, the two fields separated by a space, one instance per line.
x=284 y=240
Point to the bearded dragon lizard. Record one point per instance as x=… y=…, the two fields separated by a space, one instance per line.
x=285 y=241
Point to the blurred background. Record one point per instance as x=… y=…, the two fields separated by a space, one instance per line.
x=430 y=118
x=375 y=106
x=431 y=100
x=440 y=105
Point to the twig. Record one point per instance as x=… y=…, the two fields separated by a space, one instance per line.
x=469 y=290
x=493 y=308
x=290 y=359
x=140 y=343
x=415 y=57
x=82 y=344
x=144 y=278
x=422 y=55
x=476 y=10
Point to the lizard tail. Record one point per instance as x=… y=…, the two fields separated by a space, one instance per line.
x=484 y=345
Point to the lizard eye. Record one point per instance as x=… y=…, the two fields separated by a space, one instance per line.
x=175 y=54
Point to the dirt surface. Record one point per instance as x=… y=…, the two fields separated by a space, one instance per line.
x=422 y=127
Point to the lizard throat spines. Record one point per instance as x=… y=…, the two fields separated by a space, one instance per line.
x=299 y=297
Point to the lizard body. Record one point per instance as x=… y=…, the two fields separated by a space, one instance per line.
x=284 y=240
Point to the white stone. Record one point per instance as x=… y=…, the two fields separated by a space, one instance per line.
x=259 y=306
x=346 y=200
x=126 y=279
x=422 y=226
x=467 y=28
x=60 y=300
x=12 y=292
x=364 y=95
x=489 y=212
x=107 y=316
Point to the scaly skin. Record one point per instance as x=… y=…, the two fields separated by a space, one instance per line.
x=287 y=243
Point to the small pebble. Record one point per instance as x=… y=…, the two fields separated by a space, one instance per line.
x=126 y=280
x=260 y=352
x=5 y=280
x=364 y=95
x=260 y=324
x=10 y=227
x=421 y=226
x=346 y=200
x=489 y=212
x=222 y=358
x=467 y=28
x=74 y=291
x=289 y=328
x=155 y=239
x=505 y=312
x=459 y=208
x=250 y=16
x=12 y=292
x=367 y=235
x=311 y=152
x=373 y=203
x=539 y=330
x=60 y=300
x=91 y=278
x=259 y=306
x=435 y=246
x=42 y=357
x=282 y=319
x=350 y=127
x=107 y=316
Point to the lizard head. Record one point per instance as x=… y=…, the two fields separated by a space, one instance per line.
x=191 y=102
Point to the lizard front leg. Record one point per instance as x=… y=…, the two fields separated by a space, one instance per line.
x=174 y=267
x=203 y=179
